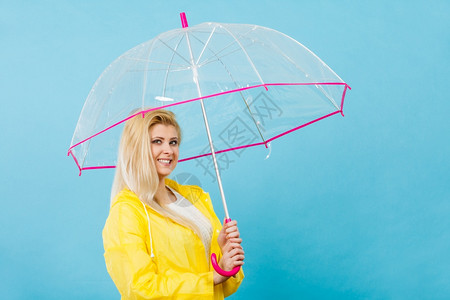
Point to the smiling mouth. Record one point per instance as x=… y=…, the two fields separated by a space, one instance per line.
x=165 y=161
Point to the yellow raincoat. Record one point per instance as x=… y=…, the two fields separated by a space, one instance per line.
x=179 y=269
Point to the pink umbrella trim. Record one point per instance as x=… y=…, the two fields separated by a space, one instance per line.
x=215 y=95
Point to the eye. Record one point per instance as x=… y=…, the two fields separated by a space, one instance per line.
x=174 y=142
x=156 y=141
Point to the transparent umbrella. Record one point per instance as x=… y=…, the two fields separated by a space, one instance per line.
x=232 y=86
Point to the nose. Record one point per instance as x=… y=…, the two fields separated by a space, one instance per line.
x=167 y=149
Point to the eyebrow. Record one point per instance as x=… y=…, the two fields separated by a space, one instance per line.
x=160 y=137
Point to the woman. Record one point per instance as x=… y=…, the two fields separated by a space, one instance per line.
x=159 y=235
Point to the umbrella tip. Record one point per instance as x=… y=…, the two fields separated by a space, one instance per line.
x=184 y=22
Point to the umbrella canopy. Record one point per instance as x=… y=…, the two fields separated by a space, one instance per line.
x=252 y=83
x=257 y=84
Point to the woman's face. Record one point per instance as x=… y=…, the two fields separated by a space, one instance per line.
x=164 y=145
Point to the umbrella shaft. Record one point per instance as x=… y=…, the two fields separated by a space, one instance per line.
x=216 y=167
x=205 y=118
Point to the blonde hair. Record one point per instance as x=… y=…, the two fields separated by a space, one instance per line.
x=136 y=168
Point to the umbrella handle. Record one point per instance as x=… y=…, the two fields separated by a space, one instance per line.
x=218 y=268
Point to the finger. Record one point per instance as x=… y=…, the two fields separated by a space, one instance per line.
x=239 y=257
x=236 y=251
x=231 y=229
x=230 y=226
x=227 y=248
x=230 y=246
x=231 y=223
x=230 y=257
x=238 y=263
x=233 y=235
x=235 y=240
x=235 y=246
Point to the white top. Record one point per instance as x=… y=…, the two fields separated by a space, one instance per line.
x=185 y=208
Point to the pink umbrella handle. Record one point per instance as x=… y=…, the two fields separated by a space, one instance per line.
x=218 y=268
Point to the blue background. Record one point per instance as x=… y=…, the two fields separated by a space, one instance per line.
x=351 y=208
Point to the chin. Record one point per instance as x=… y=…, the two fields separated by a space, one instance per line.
x=164 y=173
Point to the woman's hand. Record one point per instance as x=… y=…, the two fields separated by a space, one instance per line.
x=229 y=233
x=232 y=251
x=232 y=257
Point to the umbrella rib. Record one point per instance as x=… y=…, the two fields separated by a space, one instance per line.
x=237 y=86
x=246 y=54
x=304 y=72
x=103 y=102
x=160 y=69
x=189 y=63
x=288 y=58
x=205 y=45
x=224 y=48
x=323 y=63
x=168 y=69
x=213 y=59
x=208 y=60
x=278 y=50
x=319 y=87
x=312 y=53
x=215 y=56
x=144 y=88
x=156 y=62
